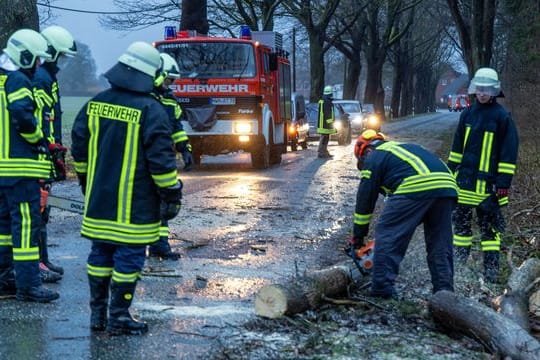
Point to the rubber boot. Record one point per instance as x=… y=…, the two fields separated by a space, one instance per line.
x=120 y=320
x=37 y=294
x=44 y=252
x=99 y=301
x=7 y=282
x=47 y=275
x=461 y=254
x=491 y=266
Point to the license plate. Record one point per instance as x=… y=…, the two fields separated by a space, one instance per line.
x=223 y=101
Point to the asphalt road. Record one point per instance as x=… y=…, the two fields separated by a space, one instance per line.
x=238 y=229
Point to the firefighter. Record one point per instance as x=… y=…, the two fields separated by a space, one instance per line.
x=24 y=161
x=419 y=188
x=325 y=125
x=47 y=96
x=483 y=159
x=163 y=93
x=124 y=158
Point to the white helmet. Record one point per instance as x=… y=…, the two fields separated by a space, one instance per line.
x=485 y=81
x=327 y=90
x=170 y=66
x=143 y=57
x=25 y=46
x=60 y=41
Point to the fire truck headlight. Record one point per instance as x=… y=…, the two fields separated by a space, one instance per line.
x=292 y=129
x=243 y=138
x=243 y=127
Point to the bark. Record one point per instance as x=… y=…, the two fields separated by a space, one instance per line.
x=496 y=332
x=194 y=16
x=304 y=293
x=17 y=14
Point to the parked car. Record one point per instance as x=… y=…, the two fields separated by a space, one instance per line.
x=370 y=120
x=342 y=123
x=354 y=109
x=299 y=127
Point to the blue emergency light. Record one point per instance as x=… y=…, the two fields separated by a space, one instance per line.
x=245 y=32
x=170 y=32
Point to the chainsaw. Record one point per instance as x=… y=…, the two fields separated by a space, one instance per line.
x=62 y=203
x=363 y=257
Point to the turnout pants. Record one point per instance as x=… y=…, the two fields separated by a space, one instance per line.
x=490 y=223
x=20 y=221
x=122 y=263
x=393 y=232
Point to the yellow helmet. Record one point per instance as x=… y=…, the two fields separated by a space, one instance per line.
x=60 y=42
x=25 y=46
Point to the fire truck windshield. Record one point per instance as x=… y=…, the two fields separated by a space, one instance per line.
x=212 y=59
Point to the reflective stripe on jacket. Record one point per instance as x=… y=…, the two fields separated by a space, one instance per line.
x=400 y=169
x=122 y=142
x=325 y=125
x=22 y=154
x=484 y=152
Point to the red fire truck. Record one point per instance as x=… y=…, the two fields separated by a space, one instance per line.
x=235 y=93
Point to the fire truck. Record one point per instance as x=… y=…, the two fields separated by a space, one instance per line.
x=235 y=93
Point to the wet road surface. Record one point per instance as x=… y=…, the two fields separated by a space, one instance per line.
x=238 y=230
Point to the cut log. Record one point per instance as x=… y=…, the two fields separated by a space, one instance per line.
x=495 y=331
x=524 y=275
x=305 y=292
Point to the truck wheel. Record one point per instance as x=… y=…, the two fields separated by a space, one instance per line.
x=294 y=144
x=260 y=156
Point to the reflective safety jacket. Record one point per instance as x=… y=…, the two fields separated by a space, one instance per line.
x=22 y=151
x=48 y=102
x=121 y=142
x=325 y=124
x=484 y=152
x=399 y=169
x=179 y=135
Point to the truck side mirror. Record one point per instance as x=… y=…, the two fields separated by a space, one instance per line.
x=272 y=62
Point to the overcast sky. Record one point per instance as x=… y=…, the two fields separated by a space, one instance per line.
x=106 y=45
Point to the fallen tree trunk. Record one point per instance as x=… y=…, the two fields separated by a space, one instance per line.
x=514 y=303
x=305 y=292
x=495 y=331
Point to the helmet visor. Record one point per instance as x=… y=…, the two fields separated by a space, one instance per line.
x=484 y=86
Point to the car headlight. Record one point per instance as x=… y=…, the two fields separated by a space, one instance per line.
x=373 y=121
x=243 y=127
x=338 y=125
x=357 y=120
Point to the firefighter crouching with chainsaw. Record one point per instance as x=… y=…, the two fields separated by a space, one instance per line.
x=162 y=248
x=126 y=164
x=47 y=96
x=483 y=159
x=23 y=162
x=419 y=189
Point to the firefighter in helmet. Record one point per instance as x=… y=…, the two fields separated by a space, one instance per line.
x=483 y=158
x=419 y=188
x=163 y=93
x=47 y=94
x=325 y=125
x=126 y=164
x=24 y=163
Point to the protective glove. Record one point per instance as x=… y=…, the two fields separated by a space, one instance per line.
x=170 y=201
x=55 y=147
x=502 y=192
x=188 y=160
x=82 y=182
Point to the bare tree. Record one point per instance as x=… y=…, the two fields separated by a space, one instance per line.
x=474 y=20
x=315 y=17
x=258 y=15
x=142 y=14
x=17 y=14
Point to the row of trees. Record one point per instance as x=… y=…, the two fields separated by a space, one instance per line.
x=416 y=39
